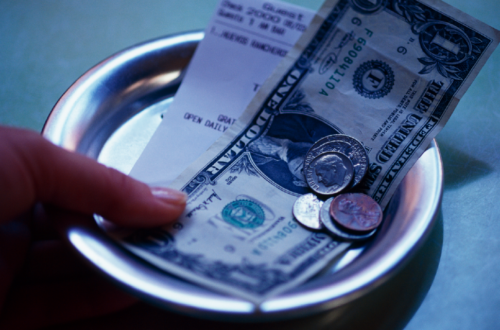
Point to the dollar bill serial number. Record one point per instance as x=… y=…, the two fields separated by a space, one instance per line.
x=346 y=62
x=274 y=239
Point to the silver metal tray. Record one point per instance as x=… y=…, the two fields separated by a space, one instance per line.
x=111 y=112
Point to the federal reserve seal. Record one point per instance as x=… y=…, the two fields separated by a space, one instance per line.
x=243 y=214
x=373 y=79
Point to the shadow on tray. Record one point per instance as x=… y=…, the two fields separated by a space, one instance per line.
x=460 y=168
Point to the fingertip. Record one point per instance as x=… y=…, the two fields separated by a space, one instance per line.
x=172 y=213
x=169 y=196
x=158 y=208
x=170 y=204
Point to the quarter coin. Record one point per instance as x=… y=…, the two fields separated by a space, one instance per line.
x=329 y=173
x=343 y=144
x=306 y=211
x=356 y=212
x=326 y=219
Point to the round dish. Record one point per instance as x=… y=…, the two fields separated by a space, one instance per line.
x=111 y=112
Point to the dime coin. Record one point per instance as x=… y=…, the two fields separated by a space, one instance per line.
x=343 y=144
x=356 y=212
x=326 y=219
x=306 y=211
x=329 y=173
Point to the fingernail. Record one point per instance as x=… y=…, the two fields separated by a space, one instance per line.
x=169 y=195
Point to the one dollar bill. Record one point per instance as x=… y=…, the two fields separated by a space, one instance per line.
x=388 y=73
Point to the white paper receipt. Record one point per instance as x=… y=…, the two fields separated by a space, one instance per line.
x=244 y=41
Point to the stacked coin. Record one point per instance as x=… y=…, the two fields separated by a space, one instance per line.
x=333 y=165
x=356 y=212
x=351 y=217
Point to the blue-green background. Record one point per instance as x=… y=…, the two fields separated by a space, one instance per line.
x=454 y=281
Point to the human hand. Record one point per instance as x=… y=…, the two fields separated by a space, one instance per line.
x=41 y=283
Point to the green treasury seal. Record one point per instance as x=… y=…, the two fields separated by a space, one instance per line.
x=243 y=214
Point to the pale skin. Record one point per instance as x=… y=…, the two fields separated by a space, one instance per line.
x=41 y=281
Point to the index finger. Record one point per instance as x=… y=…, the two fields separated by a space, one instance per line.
x=33 y=169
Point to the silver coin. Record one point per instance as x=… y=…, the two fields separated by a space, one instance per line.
x=306 y=211
x=329 y=173
x=343 y=144
x=326 y=219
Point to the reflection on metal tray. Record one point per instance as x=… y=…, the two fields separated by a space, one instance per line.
x=111 y=112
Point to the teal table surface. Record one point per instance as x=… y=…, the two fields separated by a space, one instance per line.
x=453 y=282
